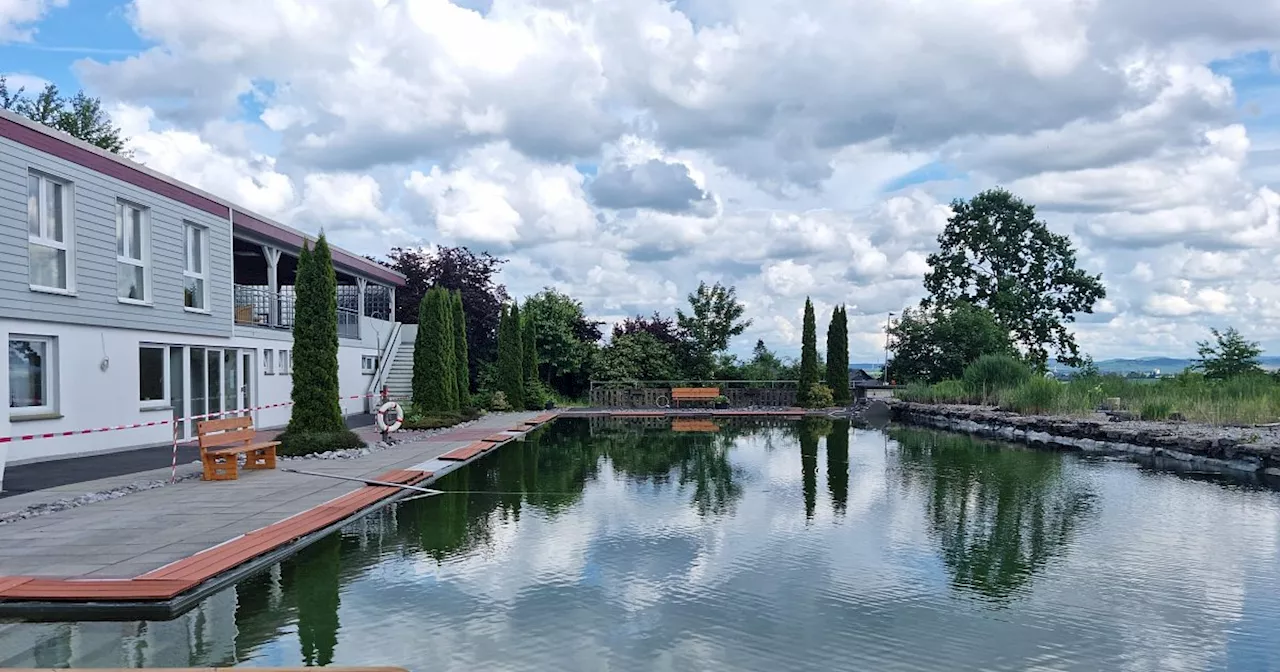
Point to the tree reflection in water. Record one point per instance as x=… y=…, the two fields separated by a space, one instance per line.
x=1000 y=513
x=312 y=577
x=838 y=465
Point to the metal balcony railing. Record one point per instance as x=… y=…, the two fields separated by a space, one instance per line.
x=348 y=323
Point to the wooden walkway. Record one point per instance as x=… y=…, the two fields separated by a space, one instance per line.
x=176 y=578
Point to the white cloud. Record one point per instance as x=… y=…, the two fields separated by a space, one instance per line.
x=623 y=151
x=17 y=17
x=496 y=195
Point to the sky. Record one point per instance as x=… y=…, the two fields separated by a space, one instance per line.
x=624 y=150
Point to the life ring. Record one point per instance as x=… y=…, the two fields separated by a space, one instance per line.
x=382 y=417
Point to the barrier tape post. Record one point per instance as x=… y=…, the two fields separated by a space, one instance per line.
x=173 y=478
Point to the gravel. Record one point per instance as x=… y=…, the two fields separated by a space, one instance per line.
x=65 y=503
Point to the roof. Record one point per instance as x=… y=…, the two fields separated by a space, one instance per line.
x=50 y=141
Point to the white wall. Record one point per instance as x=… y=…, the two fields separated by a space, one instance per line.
x=88 y=397
x=4 y=417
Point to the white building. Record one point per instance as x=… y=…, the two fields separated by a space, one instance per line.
x=127 y=296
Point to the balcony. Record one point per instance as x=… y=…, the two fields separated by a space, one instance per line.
x=265 y=296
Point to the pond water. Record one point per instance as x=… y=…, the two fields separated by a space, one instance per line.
x=761 y=546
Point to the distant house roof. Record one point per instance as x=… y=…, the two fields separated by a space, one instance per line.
x=859 y=374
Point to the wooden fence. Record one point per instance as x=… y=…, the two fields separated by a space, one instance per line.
x=660 y=397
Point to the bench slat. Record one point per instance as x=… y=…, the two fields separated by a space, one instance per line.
x=247 y=448
x=695 y=392
x=224 y=424
x=227 y=438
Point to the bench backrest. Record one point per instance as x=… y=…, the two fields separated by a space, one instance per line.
x=695 y=392
x=225 y=432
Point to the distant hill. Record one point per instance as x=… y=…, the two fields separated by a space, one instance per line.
x=1149 y=364
x=1165 y=365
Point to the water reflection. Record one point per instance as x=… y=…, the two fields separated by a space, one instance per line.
x=627 y=546
x=838 y=465
x=1000 y=514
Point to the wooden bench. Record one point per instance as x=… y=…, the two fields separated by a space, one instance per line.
x=679 y=394
x=223 y=441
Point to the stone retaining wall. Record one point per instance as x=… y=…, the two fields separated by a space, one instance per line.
x=1242 y=449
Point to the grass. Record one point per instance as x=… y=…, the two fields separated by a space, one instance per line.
x=1241 y=401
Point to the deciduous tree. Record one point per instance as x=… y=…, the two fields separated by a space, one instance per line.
x=715 y=317
x=996 y=255
x=635 y=356
x=79 y=116
x=461 y=270
x=937 y=344
x=566 y=340
x=1228 y=355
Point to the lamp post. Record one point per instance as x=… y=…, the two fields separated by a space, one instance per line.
x=884 y=371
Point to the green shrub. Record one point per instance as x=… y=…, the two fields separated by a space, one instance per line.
x=535 y=395
x=820 y=396
x=498 y=401
x=1035 y=395
x=989 y=375
x=1155 y=410
x=415 y=419
x=309 y=443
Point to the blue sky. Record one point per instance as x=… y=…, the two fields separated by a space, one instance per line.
x=827 y=124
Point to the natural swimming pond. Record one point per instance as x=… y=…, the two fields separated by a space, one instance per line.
x=762 y=545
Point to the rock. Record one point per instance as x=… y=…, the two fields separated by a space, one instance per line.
x=1177 y=417
x=1122 y=416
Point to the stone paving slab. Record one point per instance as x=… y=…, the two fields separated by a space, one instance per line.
x=143 y=531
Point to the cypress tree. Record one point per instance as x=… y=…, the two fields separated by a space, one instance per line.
x=808 y=355
x=315 y=344
x=529 y=361
x=434 y=385
x=838 y=356
x=510 y=367
x=460 y=354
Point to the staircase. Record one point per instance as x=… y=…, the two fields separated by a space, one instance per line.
x=400 y=376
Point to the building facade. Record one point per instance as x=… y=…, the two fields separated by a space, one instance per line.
x=127 y=296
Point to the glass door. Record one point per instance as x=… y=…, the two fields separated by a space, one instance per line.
x=178 y=388
x=214 y=382
x=246 y=382
x=199 y=389
x=231 y=380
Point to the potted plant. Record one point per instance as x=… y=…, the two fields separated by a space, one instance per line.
x=722 y=401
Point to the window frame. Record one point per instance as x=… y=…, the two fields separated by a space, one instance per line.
x=144 y=249
x=285 y=362
x=163 y=402
x=190 y=227
x=369 y=369
x=67 y=245
x=50 y=391
x=268 y=362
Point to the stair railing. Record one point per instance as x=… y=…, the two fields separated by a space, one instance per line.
x=387 y=357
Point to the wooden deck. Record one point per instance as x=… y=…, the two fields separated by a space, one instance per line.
x=174 y=579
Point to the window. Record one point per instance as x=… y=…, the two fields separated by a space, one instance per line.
x=133 y=252
x=195 y=290
x=152 y=373
x=268 y=364
x=369 y=363
x=49 y=234
x=285 y=364
x=32 y=374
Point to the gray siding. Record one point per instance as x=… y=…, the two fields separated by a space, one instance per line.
x=95 y=196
